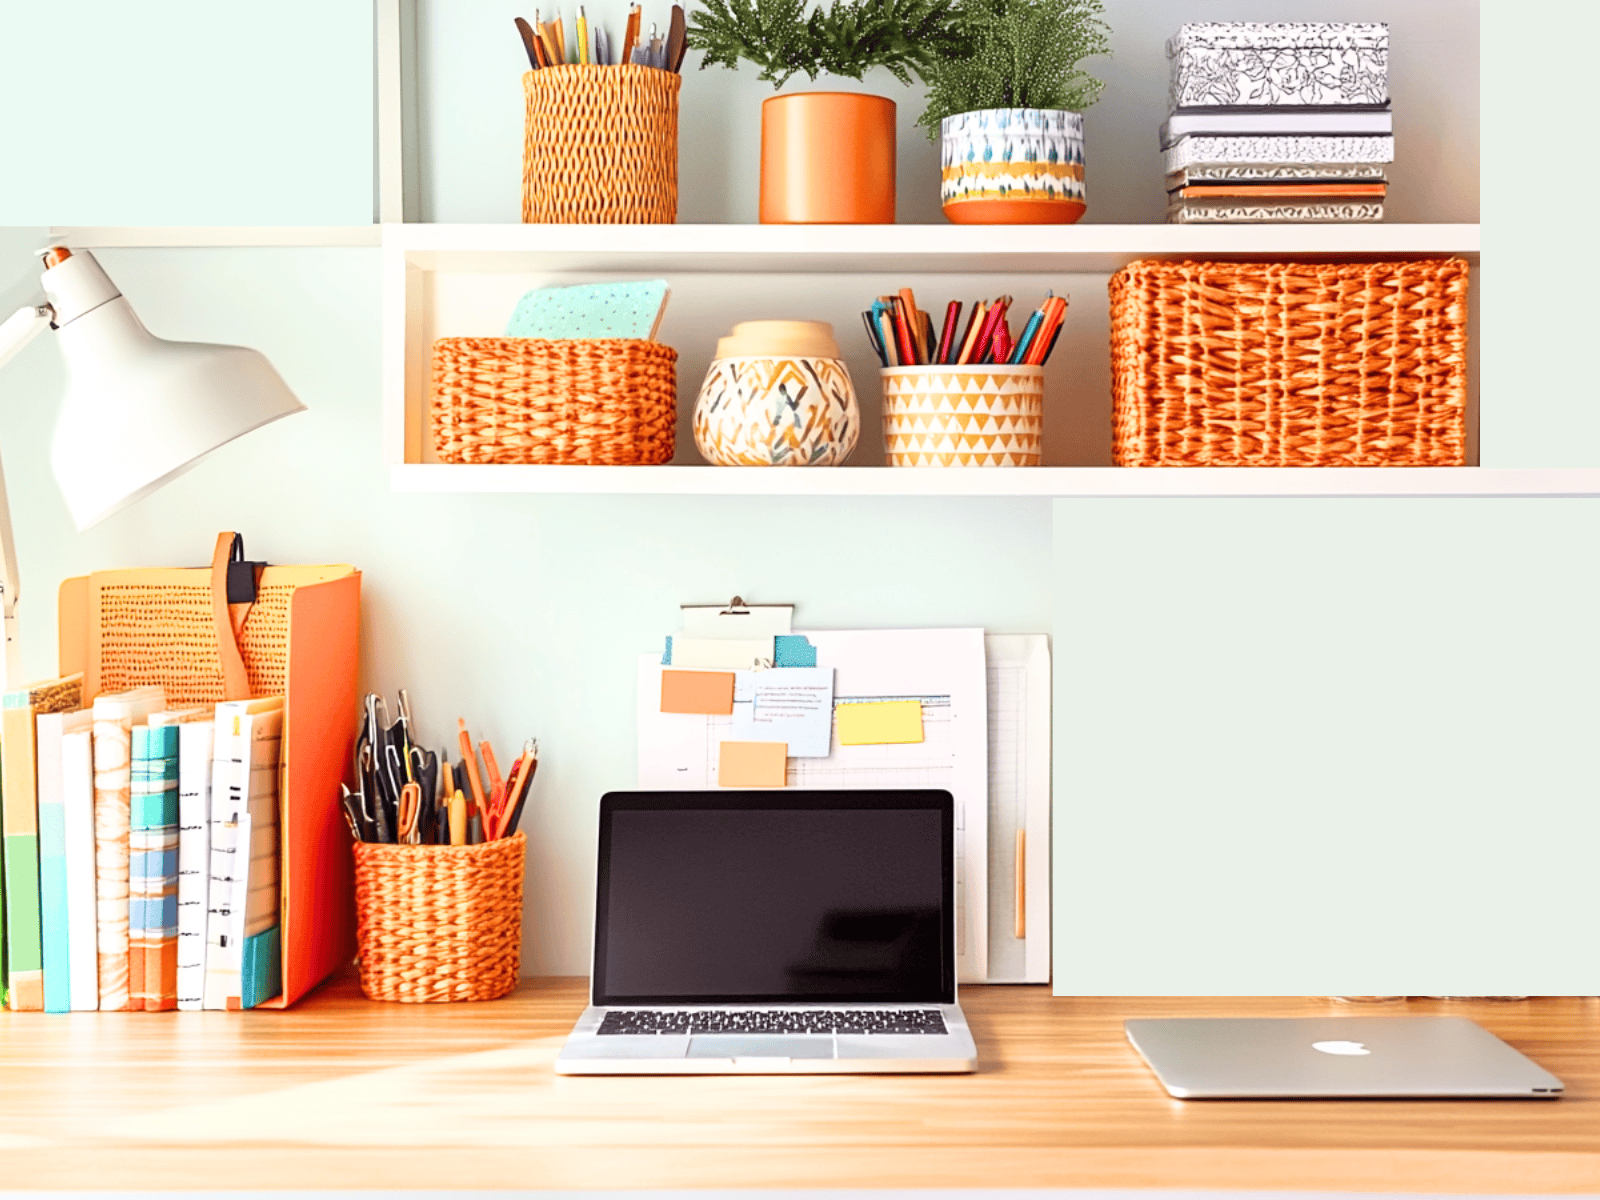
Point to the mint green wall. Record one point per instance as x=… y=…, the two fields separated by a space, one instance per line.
x=1326 y=747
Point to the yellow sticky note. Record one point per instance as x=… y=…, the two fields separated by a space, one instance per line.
x=879 y=722
x=752 y=764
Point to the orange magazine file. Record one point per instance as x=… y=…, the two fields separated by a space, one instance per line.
x=303 y=645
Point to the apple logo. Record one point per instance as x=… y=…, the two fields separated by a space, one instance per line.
x=1340 y=1047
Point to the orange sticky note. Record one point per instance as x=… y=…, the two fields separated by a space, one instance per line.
x=752 y=764
x=703 y=692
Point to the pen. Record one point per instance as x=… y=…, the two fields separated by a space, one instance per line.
x=630 y=36
x=1019 y=352
x=509 y=826
x=470 y=761
x=524 y=774
x=872 y=337
x=952 y=316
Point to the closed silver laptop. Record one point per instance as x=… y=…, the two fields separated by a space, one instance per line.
x=1303 y=1057
x=773 y=932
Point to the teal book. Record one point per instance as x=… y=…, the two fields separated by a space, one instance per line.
x=50 y=728
x=261 y=968
x=153 y=869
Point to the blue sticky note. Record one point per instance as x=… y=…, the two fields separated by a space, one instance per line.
x=790 y=650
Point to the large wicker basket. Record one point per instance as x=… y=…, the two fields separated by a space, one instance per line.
x=439 y=923
x=601 y=145
x=606 y=401
x=1286 y=364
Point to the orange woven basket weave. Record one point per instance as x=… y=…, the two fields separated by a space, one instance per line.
x=606 y=401
x=437 y=923
x=1289 y=364
x=601 y=145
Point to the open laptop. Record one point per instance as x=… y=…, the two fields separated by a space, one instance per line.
x=1309 y=1057
x=773 y=932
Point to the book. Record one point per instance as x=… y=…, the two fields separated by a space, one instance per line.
x=1275 y=173
x=54 y=924
x=1194 y=150
x=1246 y=212
x=1281 y=191
x=260 y=963
x=19 y=799
x=247 y=741
x=114 y=718
x=1300 y=122
x=153 y=869
x=592 y=310
x=195 y=753
x=77 y=792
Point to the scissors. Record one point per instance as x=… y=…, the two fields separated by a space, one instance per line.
x=410 y=810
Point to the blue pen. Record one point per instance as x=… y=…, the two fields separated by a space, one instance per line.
x=1029 y=332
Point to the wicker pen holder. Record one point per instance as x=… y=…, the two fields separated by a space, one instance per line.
x=601 y=145
x=1289 y=364
x=438 y=923
x=970 y=416
x=599 y=401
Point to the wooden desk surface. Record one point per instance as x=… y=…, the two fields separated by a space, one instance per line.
x=342 y=1092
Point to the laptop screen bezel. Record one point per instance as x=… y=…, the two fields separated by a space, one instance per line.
x=937 y=800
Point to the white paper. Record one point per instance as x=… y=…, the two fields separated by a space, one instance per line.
x=1019 y=798
x=944 y=669
x=792 y=705
x=721 y=655
x=194 y=858
x=717 y=621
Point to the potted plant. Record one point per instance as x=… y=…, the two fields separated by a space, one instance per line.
x=1007 y=106
x=826 y=157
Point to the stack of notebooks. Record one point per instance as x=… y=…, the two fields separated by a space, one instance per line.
x=141 y=851
x=1278 y=122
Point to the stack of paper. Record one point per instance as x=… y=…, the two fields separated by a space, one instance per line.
x=1278 y=122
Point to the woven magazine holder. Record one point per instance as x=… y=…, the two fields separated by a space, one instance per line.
x=601 y=145
x=606 y=401
x=1289 y=364
x=438 y=923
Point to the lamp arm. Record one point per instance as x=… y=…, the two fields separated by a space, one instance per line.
x=15 y=332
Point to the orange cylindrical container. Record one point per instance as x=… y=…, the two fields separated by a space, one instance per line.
x=827 y=158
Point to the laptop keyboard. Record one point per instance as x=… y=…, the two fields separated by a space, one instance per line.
x=780 y=1020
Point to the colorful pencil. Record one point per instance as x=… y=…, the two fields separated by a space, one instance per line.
x=952 y=317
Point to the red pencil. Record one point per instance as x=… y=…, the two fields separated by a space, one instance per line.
x=975 y=325
x=952 y=317
x=986 y=334
x=902 y=334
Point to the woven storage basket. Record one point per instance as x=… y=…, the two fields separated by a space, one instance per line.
x=607 y=401
x=601 y=145
x=1253 y=364
x=437 y=923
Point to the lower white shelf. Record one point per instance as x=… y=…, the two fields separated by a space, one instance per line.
x=980 y=481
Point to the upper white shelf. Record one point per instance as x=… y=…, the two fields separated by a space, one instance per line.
x=922 y=249
x=119 y=237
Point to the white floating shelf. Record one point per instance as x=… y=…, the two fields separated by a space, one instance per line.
x=1039 y=481
x=845 y=249
x=119 y=237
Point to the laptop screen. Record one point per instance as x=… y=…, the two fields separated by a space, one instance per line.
x=769 y=897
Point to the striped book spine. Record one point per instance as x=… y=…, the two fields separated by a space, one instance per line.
x=153 y=869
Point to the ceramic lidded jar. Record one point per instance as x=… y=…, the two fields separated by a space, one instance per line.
x=1012 y=166
x=777 y=395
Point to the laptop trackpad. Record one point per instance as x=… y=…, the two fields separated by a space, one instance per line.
x=756 y=1046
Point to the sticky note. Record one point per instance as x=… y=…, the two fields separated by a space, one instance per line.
x=793 y=650
x=727 y=654
x=793 y=704
x=879 y=722
x=701 y=692
x=752 y=764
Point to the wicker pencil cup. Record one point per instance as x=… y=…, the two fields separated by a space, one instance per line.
x=600 y=401
x=601 y=145
x=1289 y=364
x=972 y=416
x=438 y=923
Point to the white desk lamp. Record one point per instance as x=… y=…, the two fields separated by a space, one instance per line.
x=138 y=410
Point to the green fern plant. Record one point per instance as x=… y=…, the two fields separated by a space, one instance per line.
x=905 y=37
x=1016 y=54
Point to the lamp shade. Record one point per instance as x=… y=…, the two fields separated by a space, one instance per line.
x=138 y=409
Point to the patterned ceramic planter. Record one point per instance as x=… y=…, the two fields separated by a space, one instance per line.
x=1012 y=166
x=777 y=411
x=963 y=416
